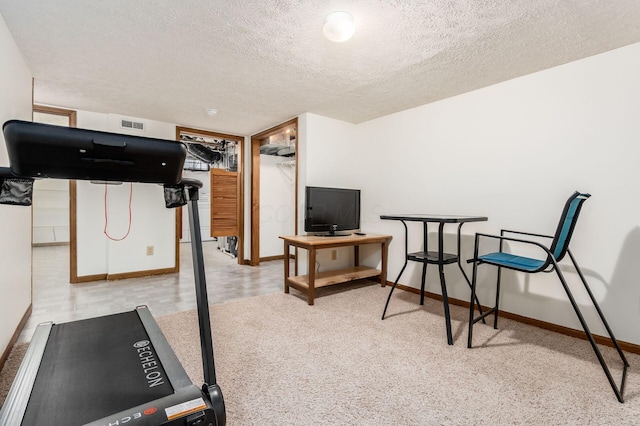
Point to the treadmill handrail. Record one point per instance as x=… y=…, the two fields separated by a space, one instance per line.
x=202 y=300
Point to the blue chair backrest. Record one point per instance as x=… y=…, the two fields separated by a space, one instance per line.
x=567 y=223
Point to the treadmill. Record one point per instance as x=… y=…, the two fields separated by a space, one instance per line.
x=116 y=369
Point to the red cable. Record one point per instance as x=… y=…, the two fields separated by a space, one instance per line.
x=106 y=216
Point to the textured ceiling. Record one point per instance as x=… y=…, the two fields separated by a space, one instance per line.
x=265 y=61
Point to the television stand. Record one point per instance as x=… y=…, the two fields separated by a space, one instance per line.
x=312 y=243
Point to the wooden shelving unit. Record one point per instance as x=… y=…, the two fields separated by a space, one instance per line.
x=308 y=283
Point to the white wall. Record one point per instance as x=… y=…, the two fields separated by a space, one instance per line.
x=152 y=224
x=15 y=221
x=277 y=203
x=329 y=156
x=333 y=152
x=513 y=152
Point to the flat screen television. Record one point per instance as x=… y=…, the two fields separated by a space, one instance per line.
x=330 y=210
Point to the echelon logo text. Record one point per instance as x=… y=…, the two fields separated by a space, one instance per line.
x=149 y=364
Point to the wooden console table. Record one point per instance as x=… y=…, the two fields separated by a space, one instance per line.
x=308 y=283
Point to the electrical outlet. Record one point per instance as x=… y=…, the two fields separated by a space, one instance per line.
x=149 y=250
x=334 y=254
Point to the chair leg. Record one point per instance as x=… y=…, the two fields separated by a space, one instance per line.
x=617 y=391
x=464 y=274
x=595 y=304
x=473 y=297
x=484 y=314
x=495 y=317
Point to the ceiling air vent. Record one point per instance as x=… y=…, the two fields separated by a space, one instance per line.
x=129 y=124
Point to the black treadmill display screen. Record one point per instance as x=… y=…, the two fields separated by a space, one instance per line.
x=93 y=368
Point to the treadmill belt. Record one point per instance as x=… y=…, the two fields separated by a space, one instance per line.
x=93 y=368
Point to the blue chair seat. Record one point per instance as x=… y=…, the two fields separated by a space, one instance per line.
x=507 y=260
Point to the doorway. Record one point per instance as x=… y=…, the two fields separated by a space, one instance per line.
x=216 y=160
x=277 y=146
x=54 y=207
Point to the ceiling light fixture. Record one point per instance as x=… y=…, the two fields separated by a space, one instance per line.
x=338 y=26
x=212 y=112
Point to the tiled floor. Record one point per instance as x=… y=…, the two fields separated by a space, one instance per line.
x=54 y=299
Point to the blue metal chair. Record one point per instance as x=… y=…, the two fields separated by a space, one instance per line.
x=553 y=254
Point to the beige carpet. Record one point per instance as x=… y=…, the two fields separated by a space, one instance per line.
x=281 y=362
